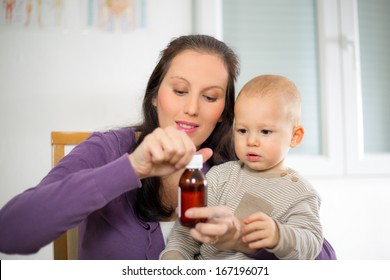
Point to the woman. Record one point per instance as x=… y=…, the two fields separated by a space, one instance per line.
x=188 y=106
x=120 y=186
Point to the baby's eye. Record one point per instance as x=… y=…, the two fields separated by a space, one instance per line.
x=266 y=132
x=242 y=130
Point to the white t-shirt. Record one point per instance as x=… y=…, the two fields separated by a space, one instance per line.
x=166 y=228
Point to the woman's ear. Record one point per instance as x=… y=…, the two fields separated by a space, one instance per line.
x=297 y=136
x=154 y=102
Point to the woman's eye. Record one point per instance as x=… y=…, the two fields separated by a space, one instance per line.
x=210 y=99
x=180 y=92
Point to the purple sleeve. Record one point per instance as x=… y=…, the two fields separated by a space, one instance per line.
x=91 y=175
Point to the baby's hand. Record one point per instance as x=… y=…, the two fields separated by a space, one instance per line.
x=260 y=231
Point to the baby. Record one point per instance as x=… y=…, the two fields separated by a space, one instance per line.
x=277 y=208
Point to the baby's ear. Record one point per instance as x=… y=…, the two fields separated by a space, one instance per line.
x=297 y=136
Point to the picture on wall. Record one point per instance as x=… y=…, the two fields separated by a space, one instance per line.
x=99 y=15
x=32 y=13
x=116 y=15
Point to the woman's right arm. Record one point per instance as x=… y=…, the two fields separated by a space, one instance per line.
x=85 y=180
x=91 y=175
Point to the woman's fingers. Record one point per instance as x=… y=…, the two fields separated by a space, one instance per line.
x=209 y=212
x=206 y=233
x=162 y=152
x=170 y=145
x=207 y=153
x=220 y=225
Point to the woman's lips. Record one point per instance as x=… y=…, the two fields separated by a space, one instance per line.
x=186 y=126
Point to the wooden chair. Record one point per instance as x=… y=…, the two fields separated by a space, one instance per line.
x=65 y=246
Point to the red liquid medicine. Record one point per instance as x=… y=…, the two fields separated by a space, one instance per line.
x=192 y=190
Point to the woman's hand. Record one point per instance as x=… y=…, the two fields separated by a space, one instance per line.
x=260 y=231
x=222 y=229
x=163 y=152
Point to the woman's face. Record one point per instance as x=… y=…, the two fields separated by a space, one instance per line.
x=192 y=94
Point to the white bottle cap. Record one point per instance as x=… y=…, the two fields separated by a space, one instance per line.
x=196 y=161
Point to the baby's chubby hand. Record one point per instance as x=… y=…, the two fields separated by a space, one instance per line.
x=260 y=231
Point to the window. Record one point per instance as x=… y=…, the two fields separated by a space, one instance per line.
x=374 y=39
x=366 y=69
x=343 y=81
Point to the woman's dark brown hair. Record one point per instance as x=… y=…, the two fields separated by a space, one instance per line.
x=148 y=200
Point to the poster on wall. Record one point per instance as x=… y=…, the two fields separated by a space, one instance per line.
x=100 y=15
x=115 y=15
x=32 y=13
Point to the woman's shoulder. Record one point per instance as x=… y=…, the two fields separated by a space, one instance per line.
x=122 y=139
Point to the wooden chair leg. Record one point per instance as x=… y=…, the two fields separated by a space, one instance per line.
x=61 y=248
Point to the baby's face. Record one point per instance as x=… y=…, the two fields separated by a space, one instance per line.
x=262 y=132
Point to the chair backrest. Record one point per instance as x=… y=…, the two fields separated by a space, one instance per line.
x=65 y=246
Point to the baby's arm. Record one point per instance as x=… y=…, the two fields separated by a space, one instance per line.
x=299 y=237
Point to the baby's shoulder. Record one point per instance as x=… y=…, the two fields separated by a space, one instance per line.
x=225 y=168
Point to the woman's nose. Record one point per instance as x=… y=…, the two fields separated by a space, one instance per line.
x=192 y=105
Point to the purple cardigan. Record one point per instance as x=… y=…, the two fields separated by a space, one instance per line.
x=94 y=187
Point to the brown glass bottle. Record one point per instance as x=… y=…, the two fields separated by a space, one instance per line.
x=192 y=190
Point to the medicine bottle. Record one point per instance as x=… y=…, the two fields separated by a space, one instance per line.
x=192 y=190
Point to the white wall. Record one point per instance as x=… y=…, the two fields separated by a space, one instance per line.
x=74 y=80
x=355 y=214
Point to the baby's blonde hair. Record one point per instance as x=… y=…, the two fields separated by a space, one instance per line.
x=275 y=86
